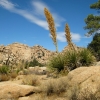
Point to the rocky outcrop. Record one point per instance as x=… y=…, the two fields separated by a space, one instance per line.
x=41 y=54
x=68 y=48
x=16 y=52
x=84 y=81
x=11 y=91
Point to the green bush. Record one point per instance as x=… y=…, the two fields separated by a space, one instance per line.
x=86 y=57
x=4 y=69
x=56 y=62
x=35 y=63
x=71 y=59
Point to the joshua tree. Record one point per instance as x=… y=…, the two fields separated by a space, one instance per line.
x=52 y=28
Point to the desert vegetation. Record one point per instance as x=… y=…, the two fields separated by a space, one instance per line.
x=34 y=63
x=52 y=28
x=65 y=76
x=72 y=58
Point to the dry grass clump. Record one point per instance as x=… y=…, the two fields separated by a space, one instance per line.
x=56 y=86
x=31 y=80
x=76 y=93
x=13 y=74
x=4 y=77
x=51 y=25
x=86 y=95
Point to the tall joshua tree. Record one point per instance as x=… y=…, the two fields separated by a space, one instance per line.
x=68 y=37
x=52 y=28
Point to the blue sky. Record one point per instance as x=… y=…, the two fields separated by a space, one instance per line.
x=23 y=21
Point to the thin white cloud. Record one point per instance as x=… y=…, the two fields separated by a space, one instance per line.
x=58 y=19
x=6 y=4
x=75 y=37
x=39 y=7
x=34 y=18
x=61 y=37
x=39 y=10
x=26 y=14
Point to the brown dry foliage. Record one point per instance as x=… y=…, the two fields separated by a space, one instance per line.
x=4 y=77
x=68 y=37
x=13 y=74
x=31 y=80
x=51 y=25
x=54 y=86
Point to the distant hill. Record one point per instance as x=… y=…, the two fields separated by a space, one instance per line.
x=16 y=52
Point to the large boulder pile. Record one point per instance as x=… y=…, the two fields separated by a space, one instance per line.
x=16 y=52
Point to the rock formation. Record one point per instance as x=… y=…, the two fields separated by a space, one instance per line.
x=10 y=91
x=16 y=52
x=74 y=46
x=85 y=82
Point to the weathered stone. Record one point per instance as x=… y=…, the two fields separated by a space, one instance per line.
x=17 y=52
x=84 y=80
x=10 y=90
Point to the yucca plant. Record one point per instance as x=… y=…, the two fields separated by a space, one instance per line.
x=52 y=28
x=4 y=69
x=71 y=59
x=68 y=37
x=86 y=57
x=56 y=63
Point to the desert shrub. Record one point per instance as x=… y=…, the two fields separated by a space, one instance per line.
x=56 y=63
x=86 y=95
x=26 y=72
x=52 y=86
x=13 y=74
x=71 y=59
x=30 y=80
x=26 y=64
x=49 y=88
x=4 y=69
x=4 y=77
x=18 y=70
x=20 y=65
x=63 y=73
x=86 y=57
x=35 y=63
